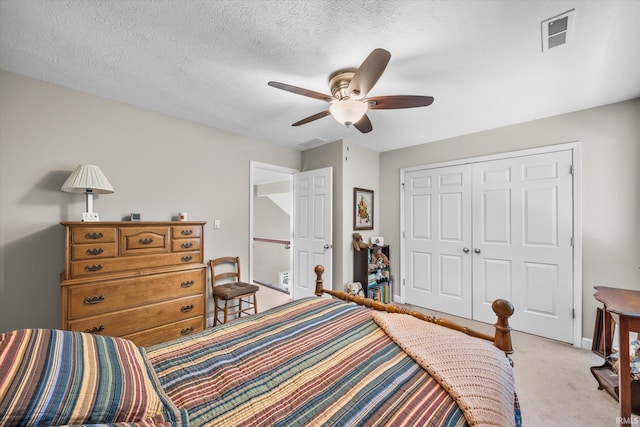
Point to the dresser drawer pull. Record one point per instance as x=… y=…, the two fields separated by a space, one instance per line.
x=95 y=251
x=93 y=267
x=187 y=245
x=146 y=241
x=94 y=235
x=94 y=299
x=187 y=232
x=95 y=330
x=187 y=308
x=188 y=284
x=187 y=258
x=186 y=331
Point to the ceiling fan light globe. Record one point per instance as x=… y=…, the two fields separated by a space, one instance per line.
x=348 y=111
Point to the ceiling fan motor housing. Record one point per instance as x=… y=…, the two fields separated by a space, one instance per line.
x=339 y=83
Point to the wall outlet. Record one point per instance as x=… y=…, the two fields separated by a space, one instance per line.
x=216 y=224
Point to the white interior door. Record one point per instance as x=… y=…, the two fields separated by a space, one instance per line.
x=522 y=234
x=438 y=239
x=312 y=230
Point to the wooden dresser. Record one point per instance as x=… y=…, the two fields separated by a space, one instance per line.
x=144 y=281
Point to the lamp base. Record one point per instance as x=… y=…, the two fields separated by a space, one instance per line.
x=90 y=216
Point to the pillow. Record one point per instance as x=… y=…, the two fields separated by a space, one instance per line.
x=52 y=377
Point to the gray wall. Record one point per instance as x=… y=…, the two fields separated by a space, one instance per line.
x=157 y=164
x=610 y=143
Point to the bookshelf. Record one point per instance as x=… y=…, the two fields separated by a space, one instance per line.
x=374 y=277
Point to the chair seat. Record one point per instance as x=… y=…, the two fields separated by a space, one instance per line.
x=234 y=290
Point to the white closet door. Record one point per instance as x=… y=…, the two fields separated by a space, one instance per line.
x=437 y=231
x=522 y=232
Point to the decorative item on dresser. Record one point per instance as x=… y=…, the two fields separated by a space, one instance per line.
x=145 y=281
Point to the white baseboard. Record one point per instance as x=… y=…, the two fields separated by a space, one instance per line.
x=587 y=343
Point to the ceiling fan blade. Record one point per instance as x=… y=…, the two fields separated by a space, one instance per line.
x=398 y=101
x=369 y=72
x=312 y=118
x=364 y=124
x=301 y=91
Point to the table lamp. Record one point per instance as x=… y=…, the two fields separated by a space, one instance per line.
x=90 y=180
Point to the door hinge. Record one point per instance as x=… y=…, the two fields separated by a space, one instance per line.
x=403 y=235
x=571 y=170
x=572 y=243
x=402 y=185
x=573 y=313
x=402 y=282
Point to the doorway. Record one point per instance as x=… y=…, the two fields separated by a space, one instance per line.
x=271 y=225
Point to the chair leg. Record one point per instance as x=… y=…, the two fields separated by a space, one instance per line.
x=226 y=310
x=255 y=304
x=215 y=311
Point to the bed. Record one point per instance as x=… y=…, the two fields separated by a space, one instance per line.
x=310 y=362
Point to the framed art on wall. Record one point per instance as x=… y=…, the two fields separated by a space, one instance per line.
x=362 y=209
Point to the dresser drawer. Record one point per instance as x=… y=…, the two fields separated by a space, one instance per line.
x=168 y=332
x=126 y=322
x=93 y=234
x=99 y=267
x=101 y=297
x=186 y=231
x=93 y=251
x=147 y=240
x=181 y=245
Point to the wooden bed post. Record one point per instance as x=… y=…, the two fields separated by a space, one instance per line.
x=319 y=269
x=502 y=308
x=502 y=339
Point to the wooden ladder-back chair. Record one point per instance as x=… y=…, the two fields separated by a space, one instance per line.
x=227 y=287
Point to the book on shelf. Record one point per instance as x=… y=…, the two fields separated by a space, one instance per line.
x=379 y=291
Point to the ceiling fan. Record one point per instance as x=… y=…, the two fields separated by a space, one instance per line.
x=349 y=87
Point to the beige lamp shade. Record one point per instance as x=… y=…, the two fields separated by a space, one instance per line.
x=90 y=180
x=87 y=177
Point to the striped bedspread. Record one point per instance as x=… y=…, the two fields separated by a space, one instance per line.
x=312 y=362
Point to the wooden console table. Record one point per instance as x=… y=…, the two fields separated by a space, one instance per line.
x=623 y=306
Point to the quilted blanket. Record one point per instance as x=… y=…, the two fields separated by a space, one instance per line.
x=312 y=362
x=474 y=372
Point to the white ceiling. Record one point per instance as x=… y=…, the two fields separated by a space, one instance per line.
x=210 y=61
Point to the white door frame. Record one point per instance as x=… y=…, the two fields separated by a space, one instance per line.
x=575 y=148
x=253 y=165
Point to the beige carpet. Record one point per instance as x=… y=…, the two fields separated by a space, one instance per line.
x=553 y=381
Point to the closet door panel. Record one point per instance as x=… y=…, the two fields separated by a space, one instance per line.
x=438 y=230
x=523 y=217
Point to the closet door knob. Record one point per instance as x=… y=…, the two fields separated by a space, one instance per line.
x=465 y=250
x=477 y=250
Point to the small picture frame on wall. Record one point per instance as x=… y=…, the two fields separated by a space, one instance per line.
x=362 y=209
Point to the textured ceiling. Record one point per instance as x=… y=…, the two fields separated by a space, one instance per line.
x=210 y=61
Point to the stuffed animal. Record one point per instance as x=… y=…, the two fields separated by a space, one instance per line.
x=379 y=258
x=355 y=288
x=358 y=243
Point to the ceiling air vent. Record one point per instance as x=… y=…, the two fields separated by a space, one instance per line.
x=558 y=30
